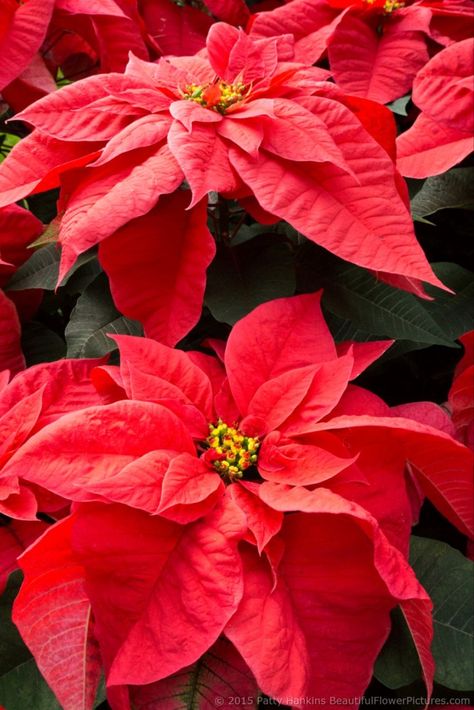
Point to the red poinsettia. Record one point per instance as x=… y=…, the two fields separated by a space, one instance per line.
x=182 y=531
x=443 y=133
x=375 y=47
x=248 y=123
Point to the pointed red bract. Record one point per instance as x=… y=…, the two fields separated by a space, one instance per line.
x=157 y=267
x=202 y=563
x=443 y=133
x=335 y=626
x=461 y=393
x=23 y=28
x=11 y=356
x=15 y=537
x=18 y=228
x=53 y=596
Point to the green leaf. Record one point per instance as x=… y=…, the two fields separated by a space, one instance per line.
x=343 y=330
x=453 y=313
x=21 y=684
x=398 y=663
x=12 y=649
x=448 y=577
x=215 y=679
x=454 y=189
x=24 y=687
x=39 y=271
x=376 y=308
x=92 y=318
x=42 y=268
x=399 y=106
x=40 y=344
x=7 y=142
x=241 y=278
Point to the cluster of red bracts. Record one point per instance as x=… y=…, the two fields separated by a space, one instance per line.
x=248 y=504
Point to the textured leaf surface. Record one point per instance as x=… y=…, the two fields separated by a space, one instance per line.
x=92 y=319
x=430 y=148
x=42 y=268
x=448 y=578
x=82 y=449
x=381 y=310
x=215 y=680
x=36 y=163
x=448 y=191
x=444 y=89
x=122 y=190
x=146 y=617
x=361 y=219
x=24 y=686
x=242 y=278
x=52 y=612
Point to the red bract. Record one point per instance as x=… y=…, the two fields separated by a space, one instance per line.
x=375 y=47
x=11 y=357
x=33 y=399
x=15 y=537
x=461 y=394
x=38 y=36
x=247 y=123
x=87 y=36
x=22 y=31
x=194 y=457
x=18 y=229
x=443 y=133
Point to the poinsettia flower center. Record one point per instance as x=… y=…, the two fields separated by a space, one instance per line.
x=218 y=96
x=230 y=452
x=388 y=6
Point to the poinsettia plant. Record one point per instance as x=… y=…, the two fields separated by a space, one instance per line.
x=236 y=362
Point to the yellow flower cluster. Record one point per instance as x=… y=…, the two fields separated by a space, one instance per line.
x=391 y=5
x=217 y=96
x=234 y=452
x=388 y=6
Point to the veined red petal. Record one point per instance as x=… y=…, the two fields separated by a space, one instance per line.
x=164 y=367
x=11 y=356
x=121 y=189
x=157 y=266
x=52 y=611
x=343 y=632
x=378 y=67
x=443 y=466
x=430 y=148
x=275 y=338
x=139 y=614
x=64 y=114
x=94 y=444
x=23 y=37
x=444 y=88
x=37 y=161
